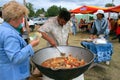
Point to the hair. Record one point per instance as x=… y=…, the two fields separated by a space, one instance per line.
x=13 y=10
x=103 y=15
x=64 y=14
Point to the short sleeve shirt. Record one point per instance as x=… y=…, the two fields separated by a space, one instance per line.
x=57 y=32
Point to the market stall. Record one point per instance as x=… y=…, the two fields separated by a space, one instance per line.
x=114 y=9
x=87 y=9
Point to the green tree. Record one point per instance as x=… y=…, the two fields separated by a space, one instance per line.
x=53 y=10
x=31 y=9
x=39 y=11
x=109 y=5
x=63 y=8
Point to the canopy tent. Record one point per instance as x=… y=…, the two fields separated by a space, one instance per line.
x=114 y=9
x=87 y=9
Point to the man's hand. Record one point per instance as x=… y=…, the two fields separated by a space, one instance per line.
x=48 y=38
x=52 y=42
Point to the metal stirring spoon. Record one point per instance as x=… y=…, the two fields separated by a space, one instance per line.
x=61 y=53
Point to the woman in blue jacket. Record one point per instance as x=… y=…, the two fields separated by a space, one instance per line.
x=14 y=51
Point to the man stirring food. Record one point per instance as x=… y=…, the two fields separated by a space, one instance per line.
x=55 y=29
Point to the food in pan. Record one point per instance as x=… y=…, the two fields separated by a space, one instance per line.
x=63 y=62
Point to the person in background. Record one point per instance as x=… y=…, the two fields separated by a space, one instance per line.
x=113 y=24
x=100 y=26
x=14 y=52
x=117 y=30
x=81 y=24
x=74 y=21
x=1 y=19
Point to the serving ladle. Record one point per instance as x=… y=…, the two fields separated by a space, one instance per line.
x=61 y=53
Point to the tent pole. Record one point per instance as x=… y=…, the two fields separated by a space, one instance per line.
x=109 y=15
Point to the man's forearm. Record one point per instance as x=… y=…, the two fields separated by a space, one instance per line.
x=48 y=38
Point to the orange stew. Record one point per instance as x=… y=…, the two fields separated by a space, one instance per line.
x=63 y=62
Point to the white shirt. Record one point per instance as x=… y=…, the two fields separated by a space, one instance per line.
x=57 y=32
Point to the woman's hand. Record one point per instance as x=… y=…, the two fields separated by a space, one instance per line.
x=35 y=42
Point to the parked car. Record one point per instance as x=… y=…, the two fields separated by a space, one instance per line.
x=40 y=20
x=31 y=24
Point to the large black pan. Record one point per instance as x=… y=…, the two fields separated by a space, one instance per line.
x=63 y=74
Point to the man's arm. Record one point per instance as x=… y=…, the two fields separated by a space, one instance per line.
x=67 y=40
x=48 y=38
